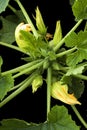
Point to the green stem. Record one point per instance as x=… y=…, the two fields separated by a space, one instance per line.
x=18 y=69
x=29 y=69
x=79 y=116
x=81 y=76
x=18 y=85
x=13 y=9
x=49 y=76
x=27 y=18
x=12 y=47
x=63 y=40
x=19 y=90
x=66 y=52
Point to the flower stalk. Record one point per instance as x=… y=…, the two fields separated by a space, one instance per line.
x=49 y=77
x=21 y=68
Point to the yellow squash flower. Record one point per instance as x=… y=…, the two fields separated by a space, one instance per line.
x=60 y=92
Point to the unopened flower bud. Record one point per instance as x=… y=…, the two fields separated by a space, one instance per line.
x=37 y=82
x=40 y=23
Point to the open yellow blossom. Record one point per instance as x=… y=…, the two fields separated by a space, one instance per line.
x=60 y=92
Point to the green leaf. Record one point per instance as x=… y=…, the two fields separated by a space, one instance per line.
x=76 y=86
x=59 y=119
x=3 y=5
x=19 y=17
x=13 y=124
x=74 y=58
x=76 y=70
x=71 y=40
x=30 y=44
x=80 y=41
x=8 y=26
x=79 y=9
x=7 y=31
x=6 y=83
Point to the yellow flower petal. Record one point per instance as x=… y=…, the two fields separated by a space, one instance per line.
x=60 y=92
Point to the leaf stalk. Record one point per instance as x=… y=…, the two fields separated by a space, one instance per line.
x=27 y=70
x=23 y=67
x=12 y=47
x=79 y=116
x=66 y=52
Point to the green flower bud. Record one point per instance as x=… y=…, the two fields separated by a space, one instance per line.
x=55 y=66
x=57 y=35
x=37 y=82
x=40 y=23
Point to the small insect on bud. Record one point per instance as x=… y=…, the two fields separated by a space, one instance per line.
x=60 y=92
x=37 y=82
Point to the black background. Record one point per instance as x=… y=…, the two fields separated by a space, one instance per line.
x=28 y=106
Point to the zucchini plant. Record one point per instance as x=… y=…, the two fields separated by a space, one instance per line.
x=63 y=59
